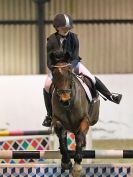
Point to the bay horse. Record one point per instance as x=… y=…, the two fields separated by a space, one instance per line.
x=71 y=111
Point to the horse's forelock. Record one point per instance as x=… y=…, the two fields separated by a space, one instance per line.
x=62 y=71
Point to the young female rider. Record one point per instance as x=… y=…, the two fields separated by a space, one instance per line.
x=63 y=39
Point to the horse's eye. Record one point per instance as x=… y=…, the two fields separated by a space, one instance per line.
x=59 y=91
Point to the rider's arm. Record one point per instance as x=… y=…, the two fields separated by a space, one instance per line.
x=75 y=57
x=49 y=51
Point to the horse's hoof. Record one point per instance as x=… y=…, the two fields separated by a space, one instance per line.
x=66 y=166
x=77 y=170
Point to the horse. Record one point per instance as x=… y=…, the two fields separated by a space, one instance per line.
x=71 y=111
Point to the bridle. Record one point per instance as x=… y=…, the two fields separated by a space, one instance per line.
x=58 y=90
x=61 y=66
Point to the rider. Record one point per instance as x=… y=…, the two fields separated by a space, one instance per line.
x=65 y=40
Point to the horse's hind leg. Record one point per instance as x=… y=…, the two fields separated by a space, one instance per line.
x=62 y=135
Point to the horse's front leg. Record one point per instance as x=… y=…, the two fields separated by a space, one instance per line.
x=62 y=135
x=80 y=139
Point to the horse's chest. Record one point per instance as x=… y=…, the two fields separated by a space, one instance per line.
x=70 y=120
x=71 y=117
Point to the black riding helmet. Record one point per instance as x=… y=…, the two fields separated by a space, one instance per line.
x=62 y=20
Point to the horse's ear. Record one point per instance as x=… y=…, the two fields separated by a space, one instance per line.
x=52 y=55
x=56 y=56
x=59 y=54
x=67 y=57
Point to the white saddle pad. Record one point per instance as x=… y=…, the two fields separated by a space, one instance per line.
x=86 y=88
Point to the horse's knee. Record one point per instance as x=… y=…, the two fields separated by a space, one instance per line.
x=62 y=135
x=80 y=140
x=83 y=129
x=84 y=126
x=58 y=128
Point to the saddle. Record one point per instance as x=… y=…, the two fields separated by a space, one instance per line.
x=89 y=84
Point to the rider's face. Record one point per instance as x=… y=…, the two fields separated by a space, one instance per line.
x=63 y=30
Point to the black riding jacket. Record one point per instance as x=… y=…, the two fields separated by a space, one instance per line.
x=70 y=45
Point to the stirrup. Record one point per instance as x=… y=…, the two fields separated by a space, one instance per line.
x=47 y=121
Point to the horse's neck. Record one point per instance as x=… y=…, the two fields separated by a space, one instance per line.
x=76 y=79
x=77 y=83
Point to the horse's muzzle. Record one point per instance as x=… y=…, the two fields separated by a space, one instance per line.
x=64 y=94
x=65 y=104
x=65 y=97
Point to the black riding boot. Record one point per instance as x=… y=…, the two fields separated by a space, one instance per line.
x=114 y=97
x=48 y=119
